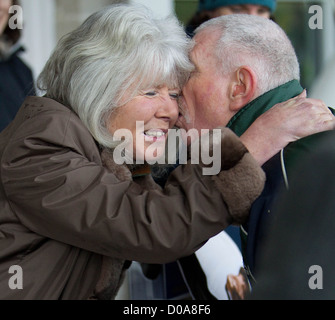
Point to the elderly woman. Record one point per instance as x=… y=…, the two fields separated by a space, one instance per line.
x=71 y=217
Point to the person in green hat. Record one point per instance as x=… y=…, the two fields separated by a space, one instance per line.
x=262 y=8
x=208 y=9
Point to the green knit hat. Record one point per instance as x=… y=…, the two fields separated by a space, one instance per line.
x=213 y=4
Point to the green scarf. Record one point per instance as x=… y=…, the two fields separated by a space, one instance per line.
x=243 y=119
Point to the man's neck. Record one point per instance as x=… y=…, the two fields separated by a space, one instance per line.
x=242 y=120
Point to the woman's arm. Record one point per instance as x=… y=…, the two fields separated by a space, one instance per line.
x=54 y=180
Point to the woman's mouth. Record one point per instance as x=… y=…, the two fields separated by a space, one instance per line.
x=153 y=135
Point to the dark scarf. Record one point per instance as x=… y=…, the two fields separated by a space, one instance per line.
x=242 y=120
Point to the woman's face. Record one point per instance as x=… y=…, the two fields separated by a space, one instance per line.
x=147 y=116
x=4 y=15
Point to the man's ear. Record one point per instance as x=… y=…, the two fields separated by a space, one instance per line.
x=242 y=88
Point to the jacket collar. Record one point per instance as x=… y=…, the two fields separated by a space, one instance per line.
x=7 y=52
x=242 y=120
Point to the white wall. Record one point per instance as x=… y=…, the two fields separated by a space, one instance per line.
x=161 y=8
x=38 y=33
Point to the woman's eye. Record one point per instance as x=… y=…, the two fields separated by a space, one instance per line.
x=151 y=93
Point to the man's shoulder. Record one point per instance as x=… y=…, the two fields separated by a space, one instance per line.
x=305 y=147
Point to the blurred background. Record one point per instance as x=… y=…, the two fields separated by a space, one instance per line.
x=45 y=21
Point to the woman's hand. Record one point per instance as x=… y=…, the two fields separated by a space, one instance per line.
x=286 y=122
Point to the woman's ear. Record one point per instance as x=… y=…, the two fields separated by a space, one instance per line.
x=242 y=88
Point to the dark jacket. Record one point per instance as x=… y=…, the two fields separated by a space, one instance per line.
x=71 y=219
x=278 y=171
x=16 y=83
x=300 y=264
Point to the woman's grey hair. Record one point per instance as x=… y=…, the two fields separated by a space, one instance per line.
x=257 y=42
x=114 y=54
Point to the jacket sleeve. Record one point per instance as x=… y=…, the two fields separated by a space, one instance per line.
x=59 y=192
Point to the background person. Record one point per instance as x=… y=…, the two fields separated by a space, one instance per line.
x=16 y=80
x=208 y=9
x=299 y=266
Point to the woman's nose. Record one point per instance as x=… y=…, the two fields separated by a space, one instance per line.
x=168 y=110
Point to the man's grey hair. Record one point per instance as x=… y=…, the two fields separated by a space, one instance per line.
x=258 y=43
x=114 y=54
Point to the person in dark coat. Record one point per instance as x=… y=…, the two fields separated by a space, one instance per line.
x=16 y=77
x=300 y=264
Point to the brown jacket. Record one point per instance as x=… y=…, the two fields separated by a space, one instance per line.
x=70 y=222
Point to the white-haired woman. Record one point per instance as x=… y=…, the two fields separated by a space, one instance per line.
x=70 y=216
